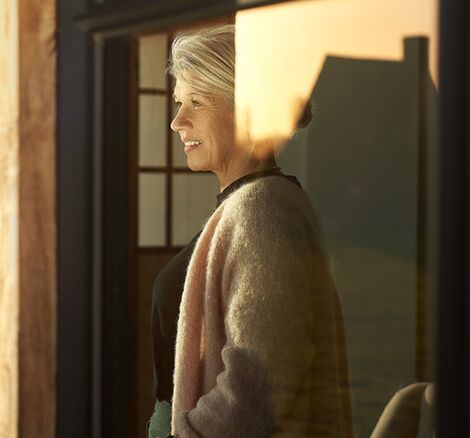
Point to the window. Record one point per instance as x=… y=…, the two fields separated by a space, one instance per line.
x=173 y=201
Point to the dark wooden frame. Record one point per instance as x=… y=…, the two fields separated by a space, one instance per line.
x=453 y=390
x=127 y=17
x=118 y=351
x=75 y=240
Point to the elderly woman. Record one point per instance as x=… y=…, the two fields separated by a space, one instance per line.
x=259 y=339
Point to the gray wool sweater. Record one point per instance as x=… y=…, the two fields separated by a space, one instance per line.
x=260 y=348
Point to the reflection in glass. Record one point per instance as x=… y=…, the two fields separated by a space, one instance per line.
x=371 y=29
x=151 y=209
x=152 y=61
x=370 y=71
x=194 y=197
x=153 y=122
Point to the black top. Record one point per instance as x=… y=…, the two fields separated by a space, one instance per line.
x=167 y=291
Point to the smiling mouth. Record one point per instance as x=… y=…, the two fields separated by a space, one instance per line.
x=193 y=143
x=189 y=145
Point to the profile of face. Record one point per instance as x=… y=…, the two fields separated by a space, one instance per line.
x=206 y=127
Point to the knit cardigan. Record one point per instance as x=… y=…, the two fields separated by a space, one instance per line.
x=260 y=345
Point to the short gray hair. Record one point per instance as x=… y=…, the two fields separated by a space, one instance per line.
x=208 y=56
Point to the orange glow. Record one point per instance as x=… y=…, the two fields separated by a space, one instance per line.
x=281 y=50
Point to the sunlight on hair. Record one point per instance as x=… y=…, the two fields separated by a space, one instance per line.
x=281 y=50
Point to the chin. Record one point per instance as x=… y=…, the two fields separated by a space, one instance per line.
x=195 y=166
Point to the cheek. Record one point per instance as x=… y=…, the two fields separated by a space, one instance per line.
x=218 y=129
x=225 y=128
x=213 y=129
x=223 y=136
x=228 y=120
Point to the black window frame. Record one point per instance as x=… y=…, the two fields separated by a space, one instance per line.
x=453 y=357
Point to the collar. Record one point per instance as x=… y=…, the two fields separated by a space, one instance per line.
x=232 y=187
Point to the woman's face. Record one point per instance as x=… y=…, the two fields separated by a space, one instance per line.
x=206 y=127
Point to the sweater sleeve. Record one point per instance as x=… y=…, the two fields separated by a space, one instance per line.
x=268 y=276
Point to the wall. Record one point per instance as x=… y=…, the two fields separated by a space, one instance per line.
x=27 y=195
x=8 y=219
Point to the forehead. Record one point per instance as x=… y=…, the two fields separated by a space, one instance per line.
x=182 y=88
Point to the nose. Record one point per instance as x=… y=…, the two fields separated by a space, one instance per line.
x=180 y=121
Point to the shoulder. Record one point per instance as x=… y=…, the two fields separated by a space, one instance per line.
x=269 y=207
x=265 y=194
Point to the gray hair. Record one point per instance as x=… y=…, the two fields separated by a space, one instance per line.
x=205 y=59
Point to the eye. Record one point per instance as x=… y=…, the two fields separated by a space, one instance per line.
x=196 y=104
x=177 y=104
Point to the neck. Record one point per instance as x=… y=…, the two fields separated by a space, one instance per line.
x=229 y=177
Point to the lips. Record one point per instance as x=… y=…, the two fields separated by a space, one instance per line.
x=191 y=144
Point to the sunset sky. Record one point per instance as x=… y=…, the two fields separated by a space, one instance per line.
x=281 y=50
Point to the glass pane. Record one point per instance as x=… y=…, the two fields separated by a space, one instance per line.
x=153 y=129
x=179 y=157
x=152 y=209
x=363 y=160
x=366 y=160
x=194 y=197
x=153 y=54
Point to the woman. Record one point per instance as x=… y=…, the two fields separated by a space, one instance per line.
x=260 y=344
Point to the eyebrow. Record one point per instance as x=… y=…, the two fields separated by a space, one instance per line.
x=190 y=94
